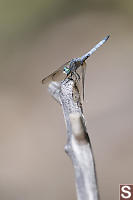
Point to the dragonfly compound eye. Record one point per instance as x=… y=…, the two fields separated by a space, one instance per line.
x=66 y=70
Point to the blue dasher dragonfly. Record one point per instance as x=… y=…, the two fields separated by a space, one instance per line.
x=71 y=67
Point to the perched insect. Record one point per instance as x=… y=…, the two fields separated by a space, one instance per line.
x=70 y=67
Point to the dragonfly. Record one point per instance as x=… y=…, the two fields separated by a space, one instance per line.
x=71 y=67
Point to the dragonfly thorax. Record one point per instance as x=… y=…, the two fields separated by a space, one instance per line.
x=74 y=64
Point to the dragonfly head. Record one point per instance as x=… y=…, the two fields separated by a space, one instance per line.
x=66 y=70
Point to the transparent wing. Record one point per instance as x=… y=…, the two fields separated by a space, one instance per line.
x=81 y=71
x=56 y=75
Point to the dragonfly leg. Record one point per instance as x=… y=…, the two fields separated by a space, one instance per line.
x=76 y=76
x=69 y=77
x=73 y=76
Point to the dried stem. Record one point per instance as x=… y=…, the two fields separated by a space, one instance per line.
x=78 y=145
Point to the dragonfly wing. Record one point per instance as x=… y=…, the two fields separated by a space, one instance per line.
x=83 y=69
x=58 y=74
x=52 y=77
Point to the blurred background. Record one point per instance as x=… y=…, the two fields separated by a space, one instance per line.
x=36 y=37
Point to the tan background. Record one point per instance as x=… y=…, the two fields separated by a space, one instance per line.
x=36 y=38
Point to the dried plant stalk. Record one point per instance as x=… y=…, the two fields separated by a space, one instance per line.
x=78 y=145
